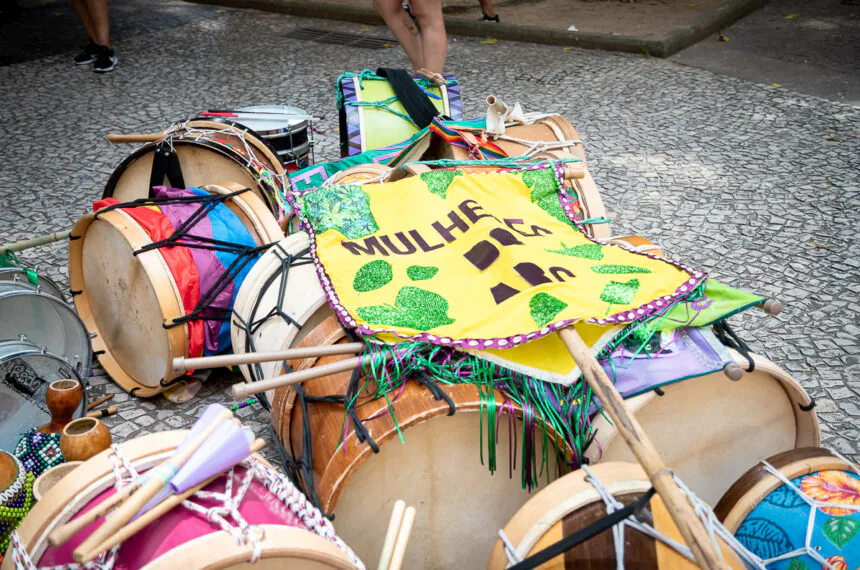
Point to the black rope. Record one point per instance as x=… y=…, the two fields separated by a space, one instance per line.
x=580 y=536
x=728 y=337
x=436 y=391
x=808 y=407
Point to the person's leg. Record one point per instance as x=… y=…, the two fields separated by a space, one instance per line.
x=86 y=20
x=434 y=41
x=100 y=21
x=487 y=8
x=404 y=29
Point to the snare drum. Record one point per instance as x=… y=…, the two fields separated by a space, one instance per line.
x=287 y=135
x=22 y=276
x=710 y=429
x=199 y=152
x=284 y=530
x=181 y=296
x=574 y=502
x=774 y=520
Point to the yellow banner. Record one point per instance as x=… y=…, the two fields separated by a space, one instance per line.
x=477 y=261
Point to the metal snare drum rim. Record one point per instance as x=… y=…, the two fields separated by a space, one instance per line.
x=45 y=321
x=19 y=275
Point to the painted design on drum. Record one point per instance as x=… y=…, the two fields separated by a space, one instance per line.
x=345 y=209
x=421 y=273
x=438 y=181
x=372 y=276
x=592 y=251
x=414 y=308
x=778 y=525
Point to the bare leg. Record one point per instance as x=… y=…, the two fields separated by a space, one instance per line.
x=434 y=41
x=100 y=22
x=86 y=20
x=488 y=8
x=404 y=29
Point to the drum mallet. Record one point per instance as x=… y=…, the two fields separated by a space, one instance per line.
x=36 y=241
x=182 y=364
x=391 y=535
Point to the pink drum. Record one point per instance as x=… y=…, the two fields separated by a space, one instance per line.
x=274 y=526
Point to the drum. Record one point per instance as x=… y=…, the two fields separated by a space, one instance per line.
x=288 y=136
x=149 y=303
x=710 y=429
x=768 y=509
x=283 y=531
x=441 y=468
x=199 y=152
x=26 y=371
x=359 y=174
x=371 y=117
x=574 y=502
x=22 y=276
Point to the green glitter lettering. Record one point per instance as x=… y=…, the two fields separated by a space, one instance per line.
x=619 y=269
x=617 y=293
x=342 y=208
x=414 y=308
x=544 y=308
x=544 y=187
x=586 y=251
x=421 y=272
x=372 y=276
x=438 y=181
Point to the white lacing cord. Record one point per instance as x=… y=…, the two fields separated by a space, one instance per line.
x=222 y=515
x=537 y=147
x=814 y=506
x=382 y=177
x=510 y=549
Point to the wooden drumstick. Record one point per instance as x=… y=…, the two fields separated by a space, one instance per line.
x=243 y=389
x=155 y=512
x=132 y=505
x=402 y=539
x=99 y=402
x=391 y=535
x=691 y=528
x=115 y=138
x=181 y=364
x=36 y=241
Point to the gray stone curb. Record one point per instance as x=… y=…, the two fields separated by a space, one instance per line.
x=675 y=41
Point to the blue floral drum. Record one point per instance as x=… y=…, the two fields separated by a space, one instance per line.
x=777 y=527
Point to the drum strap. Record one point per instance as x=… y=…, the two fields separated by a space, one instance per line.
x=414 y=101
x=165 y=163
x=584 y=534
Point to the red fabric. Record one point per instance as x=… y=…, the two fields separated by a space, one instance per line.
x=179 y=261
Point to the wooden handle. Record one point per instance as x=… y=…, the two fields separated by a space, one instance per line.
x=36 y=241
x=181 y=364
x=103 y=413
x=243 y=390
x=402 y=539
x=772 y=307
x=115 y=138
x=99 y=402
x=156 y=512
x=65 y=532
x=154 y=483
x=391 y=535
x=690 y=527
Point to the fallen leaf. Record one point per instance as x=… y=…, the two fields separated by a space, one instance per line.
x=692 y=5
x=821 y=246
x=389 y=45
x=364 y=29
x=490 y=41
x=792 y=16
x=722 y=38
x=777 y=85
x=745 y=60
x=833 y=139
x=567 y=49
x=241 y=29
x=220 y=11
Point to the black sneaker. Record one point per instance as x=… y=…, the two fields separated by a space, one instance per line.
x=105 y=60
x=484 y=18
x=88 y=55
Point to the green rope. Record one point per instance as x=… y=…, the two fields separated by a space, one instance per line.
x=383 y=106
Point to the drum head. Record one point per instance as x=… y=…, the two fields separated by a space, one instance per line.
x=46 y=321
x=268 y=126
x=25 y=373
x=20 y=275
x=710 y=429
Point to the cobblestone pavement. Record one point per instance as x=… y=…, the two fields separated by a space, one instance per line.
x=759 y=186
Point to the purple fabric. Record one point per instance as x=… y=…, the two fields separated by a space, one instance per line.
x=209 y=267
